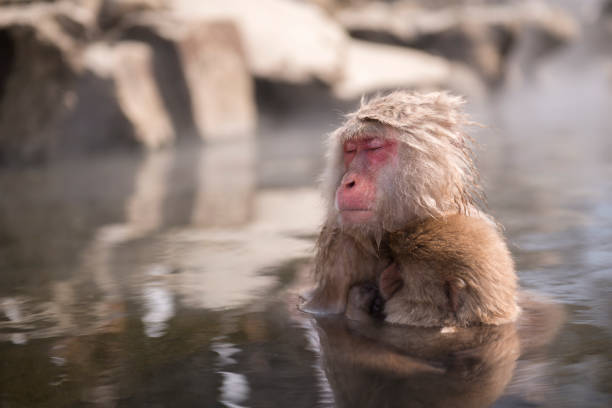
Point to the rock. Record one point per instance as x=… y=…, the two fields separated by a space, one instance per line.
x=129 y=67
x=606 y=15
x=64 y=24
x=370 y=67
x=606 y=8
x=297 y=43
x=61 y=95
x=39 y=56
x=479 y=35
x=205 y=60
x=112 y=12
x=66 y=88
x=220 y=84
x=407 y=21
x=284 y=40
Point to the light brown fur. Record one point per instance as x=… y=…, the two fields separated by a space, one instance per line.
x=437 y=175
x=456 y=271
x=449 y=255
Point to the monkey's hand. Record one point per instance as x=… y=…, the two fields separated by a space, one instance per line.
x=390 y=281
x=365 y=303
x=318 y=301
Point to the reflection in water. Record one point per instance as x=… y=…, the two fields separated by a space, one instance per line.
x=371 y=366
x=226 y=184
x=144 y=211
x=234 y=389
x=225 y=352
x=159 y=308
x=137 y=280
x=19 y=338
x=11 y=310
x=325 y=393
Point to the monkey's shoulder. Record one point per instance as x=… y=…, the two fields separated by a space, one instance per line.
x=456 y=239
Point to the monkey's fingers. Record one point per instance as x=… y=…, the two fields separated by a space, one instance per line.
x=321 y=303
x=304 y=297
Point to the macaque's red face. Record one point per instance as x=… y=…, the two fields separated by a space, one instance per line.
x=365 y=161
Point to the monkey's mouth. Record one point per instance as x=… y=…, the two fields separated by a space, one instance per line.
x=356 y=215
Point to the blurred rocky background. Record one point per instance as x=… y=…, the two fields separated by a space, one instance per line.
x=82 y=77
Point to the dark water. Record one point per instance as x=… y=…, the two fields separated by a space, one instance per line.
x=169 y=280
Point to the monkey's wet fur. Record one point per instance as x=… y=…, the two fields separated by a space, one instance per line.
x=405 y=222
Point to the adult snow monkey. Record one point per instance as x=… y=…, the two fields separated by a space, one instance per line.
x=402 y=211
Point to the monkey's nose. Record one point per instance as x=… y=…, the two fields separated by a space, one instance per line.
x=350 y=183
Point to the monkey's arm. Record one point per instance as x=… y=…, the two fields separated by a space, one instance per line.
x=339 y=264
x=452 y=271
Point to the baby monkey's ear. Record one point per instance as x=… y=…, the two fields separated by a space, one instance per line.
x=390 y=281
x=454 y=288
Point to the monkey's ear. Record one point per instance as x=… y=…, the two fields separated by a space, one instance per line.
x=390 y=281
x=454 y=289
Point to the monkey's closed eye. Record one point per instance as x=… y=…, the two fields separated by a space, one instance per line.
x=375 y=144
x=350 y=147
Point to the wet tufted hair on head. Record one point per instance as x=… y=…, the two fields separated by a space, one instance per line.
x=439 y=176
